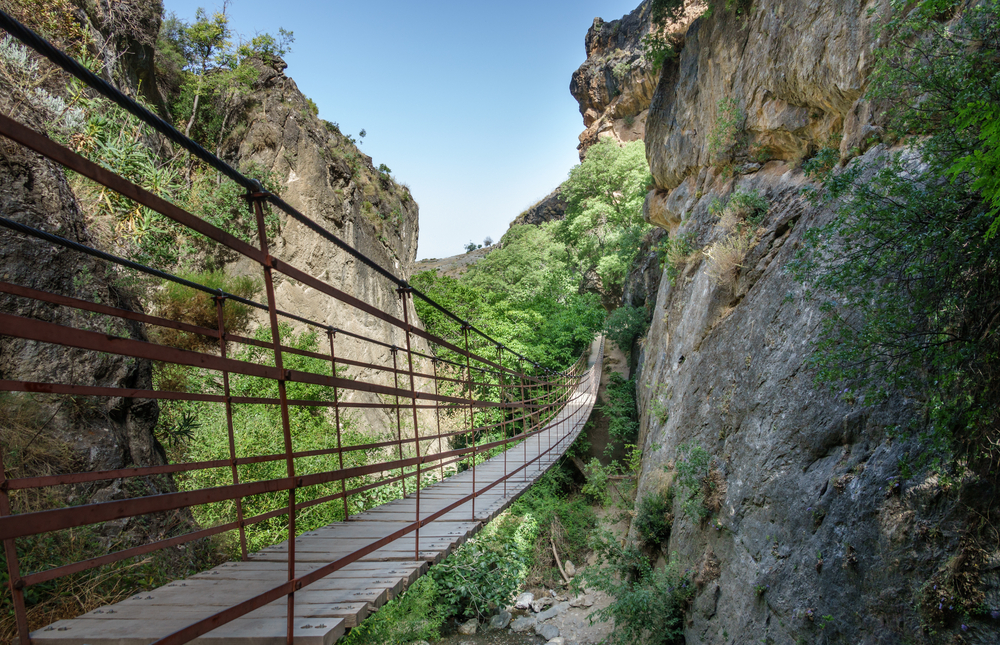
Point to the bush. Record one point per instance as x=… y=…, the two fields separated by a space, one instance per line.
x=725 y=258
x=725 y=132
x=413 y=616
x=626 y=324
x=675 y=252
x=693 y=478
x=258 y=429
x=598 y=478
x=184 y=304
x=907 y=274
x=486 y=572
x=654 y=517
x=620 y=408
x=648 y=605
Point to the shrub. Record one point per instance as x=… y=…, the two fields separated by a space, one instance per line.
x=647 y=605
x=258 y=429
x=675 y=252
x=821 y=163
x=184 y=304
x=694 y=479
x=598 y=478
x=908 y=275
x=413 y=616
x=654 y=517
x=486 y=572
x=625 y=324
x=620 y=408
x=747 y=205
x=725 y=257
x=725 y=132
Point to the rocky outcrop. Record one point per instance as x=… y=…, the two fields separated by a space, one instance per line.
x=616 y=83
x=814 y=533
x=326 y=177
x=549 y=208
x=95 y=433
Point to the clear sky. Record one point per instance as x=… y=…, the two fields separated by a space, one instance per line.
x=467 y=102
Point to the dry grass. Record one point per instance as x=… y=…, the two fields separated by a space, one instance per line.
x=32 y=447
x=184 y=304
x=725 y=258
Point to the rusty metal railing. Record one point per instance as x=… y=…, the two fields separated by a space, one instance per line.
x=420 y=383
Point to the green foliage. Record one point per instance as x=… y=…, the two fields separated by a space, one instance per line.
x=523 y=295
x=625 y=325
x=821 y=163
x=620 y=408
x=31 y=449
x=950 y=70
x=208 y=76
x=727 y=129
x=598 y=479
x=648 y=605
x=184 y=304
x=258 y=431
x=675 y=252
x=749 y=206
x=223 y=204
x=657 y=49
x=603 y=224
x=666 y=11
x=487 y=571
x=693 y=467
x=906 y=272
x=413 y=616
x=562 y=518
x=654 y=517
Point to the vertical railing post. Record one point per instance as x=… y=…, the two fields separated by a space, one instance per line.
x=13 y=566
x=331 y=333
x=404 y=293
x=219 y=302
x=272 y=310
x=468 y=376
x=437 y=415
x=524 y=417
x=399 y=425
x=503 y=415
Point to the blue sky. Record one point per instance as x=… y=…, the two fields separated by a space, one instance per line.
x=467 y=102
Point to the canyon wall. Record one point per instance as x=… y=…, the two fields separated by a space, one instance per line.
x=320 y=172
x=813 y=535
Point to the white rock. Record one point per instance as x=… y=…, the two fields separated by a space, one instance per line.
x=524 y=600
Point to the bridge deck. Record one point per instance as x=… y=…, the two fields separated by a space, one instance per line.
x=325 y=609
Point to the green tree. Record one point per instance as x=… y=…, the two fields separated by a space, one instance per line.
x=603 y=224
x=906 y=271
x=202 y=42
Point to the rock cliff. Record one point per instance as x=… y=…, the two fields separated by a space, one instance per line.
x=616 y=83
x=814 y=534
x=321 y=172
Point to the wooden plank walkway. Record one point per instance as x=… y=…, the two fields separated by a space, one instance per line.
x=325 y=609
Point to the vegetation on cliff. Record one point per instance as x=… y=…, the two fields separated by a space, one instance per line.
x=909 y=268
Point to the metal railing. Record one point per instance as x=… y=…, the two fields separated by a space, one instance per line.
x=522 y=401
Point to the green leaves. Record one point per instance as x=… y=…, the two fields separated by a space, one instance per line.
x=909 y=270
x=603 y=224
x=648 y=605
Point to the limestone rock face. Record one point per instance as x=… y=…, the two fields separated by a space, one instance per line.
x=796 y=72
x=326 y=177
x=549 y=208
x=616 y=83
x=97 y=434
x=810 y=516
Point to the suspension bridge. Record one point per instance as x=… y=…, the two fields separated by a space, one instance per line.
x=511 y=419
